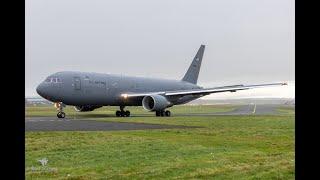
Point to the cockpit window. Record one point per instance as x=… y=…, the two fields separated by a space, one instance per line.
x=53 y=80
x=48 y=80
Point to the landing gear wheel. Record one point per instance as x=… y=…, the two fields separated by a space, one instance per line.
x=158 y=113
x=122 y=112
x=61 y=115
x=127 y=113
x=168 y=113
x=118 y=113
x=162 y=113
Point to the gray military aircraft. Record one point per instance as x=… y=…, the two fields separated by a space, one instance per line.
x=89 y=91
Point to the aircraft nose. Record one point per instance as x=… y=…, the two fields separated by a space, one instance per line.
x=40 y=89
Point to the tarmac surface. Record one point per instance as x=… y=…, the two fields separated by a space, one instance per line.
x=56 y=124
x=69 y=124
x=250 y=109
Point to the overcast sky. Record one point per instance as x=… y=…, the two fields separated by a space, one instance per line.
x=247 y=41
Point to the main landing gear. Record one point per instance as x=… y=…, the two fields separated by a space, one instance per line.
x=122 y=113
x=60 y=107
x=163 y=113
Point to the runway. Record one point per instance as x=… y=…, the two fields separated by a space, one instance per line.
x=250 y=109
x=70 y=124
x=55 y=124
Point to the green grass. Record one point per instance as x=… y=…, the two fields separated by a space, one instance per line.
x=226 y=147
x=289 y=110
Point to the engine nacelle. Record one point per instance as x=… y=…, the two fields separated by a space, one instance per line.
x=155 y=102
x=86 y=108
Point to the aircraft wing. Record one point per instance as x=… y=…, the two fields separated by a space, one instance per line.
x=203 y=91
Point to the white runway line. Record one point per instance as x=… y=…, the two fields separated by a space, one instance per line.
x=254 y=109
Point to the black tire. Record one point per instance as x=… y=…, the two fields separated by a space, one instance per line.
x=127 y=113
x=157 y=113
x=122 y=113
x=168 y=113
x=162 y=113
x=118 y=113
x=62 y=115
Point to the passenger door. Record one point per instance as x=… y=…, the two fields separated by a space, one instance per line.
x=113 y=88
x=77 y=83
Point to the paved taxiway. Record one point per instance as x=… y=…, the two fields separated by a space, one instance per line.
x=55 y=124
x=251 y=109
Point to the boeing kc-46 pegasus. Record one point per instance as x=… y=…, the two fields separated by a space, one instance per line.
x=88 y=91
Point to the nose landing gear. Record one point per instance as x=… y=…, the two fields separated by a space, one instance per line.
x=122 y=113
x=60 y=107
x=61 y=115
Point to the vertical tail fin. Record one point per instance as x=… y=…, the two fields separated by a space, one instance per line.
x=192 y=74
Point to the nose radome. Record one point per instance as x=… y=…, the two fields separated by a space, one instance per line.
x=40 y=89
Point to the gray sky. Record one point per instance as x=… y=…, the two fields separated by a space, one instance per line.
x=247 y=41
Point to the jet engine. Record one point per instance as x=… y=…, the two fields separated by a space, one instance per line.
x=86 y=108
x=155 y=103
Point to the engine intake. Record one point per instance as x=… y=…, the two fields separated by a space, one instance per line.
x=155 y=103
x=86 y=108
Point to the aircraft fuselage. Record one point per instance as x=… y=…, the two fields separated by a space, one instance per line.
x=83 y=88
